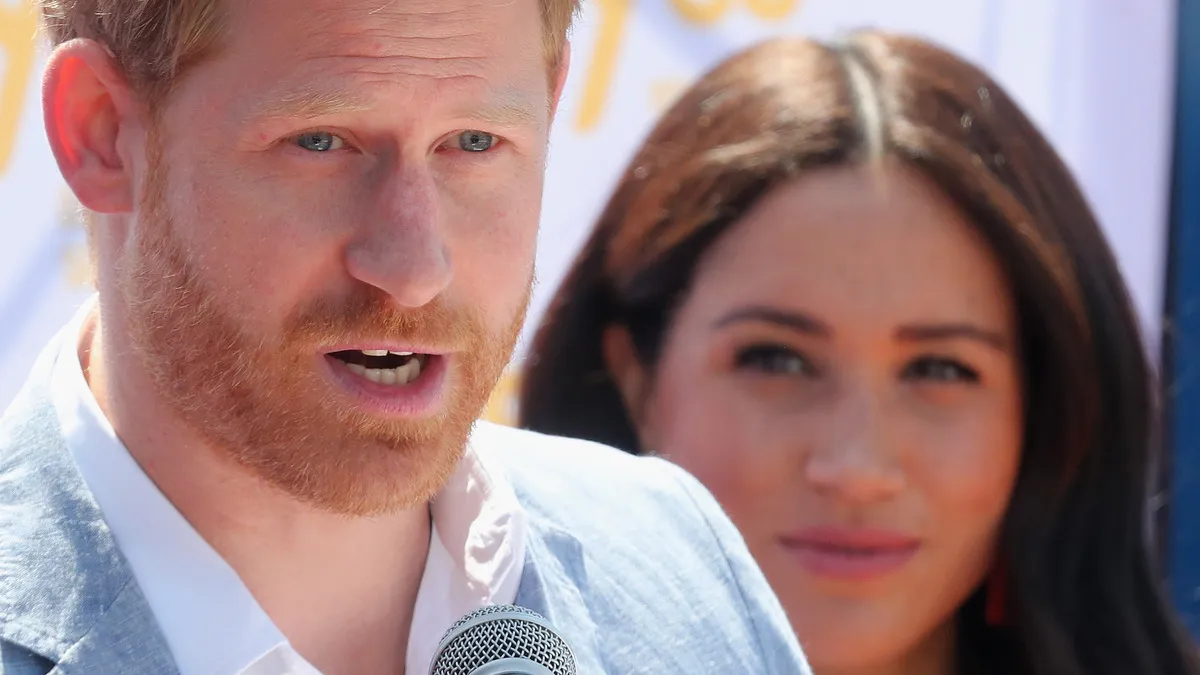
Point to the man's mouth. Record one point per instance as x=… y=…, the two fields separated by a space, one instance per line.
x=382 y=366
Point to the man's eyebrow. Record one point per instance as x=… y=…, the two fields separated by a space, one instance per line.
x=505 y=114
x=311 y=103
x=505 y=107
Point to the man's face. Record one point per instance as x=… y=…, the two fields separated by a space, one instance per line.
x=334 y=246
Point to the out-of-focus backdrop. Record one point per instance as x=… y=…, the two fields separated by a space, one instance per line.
x=1097 y=75
x=1100 y=77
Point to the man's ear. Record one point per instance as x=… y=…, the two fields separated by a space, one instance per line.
x=560 y=78
x=88 y=107
x=626 y=370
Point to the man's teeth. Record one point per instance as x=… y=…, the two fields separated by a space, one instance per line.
x=401 y=375
x=383 y=352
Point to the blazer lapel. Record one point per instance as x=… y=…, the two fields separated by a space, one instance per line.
x=549 y=586
x=124 y=639
x=66 y=592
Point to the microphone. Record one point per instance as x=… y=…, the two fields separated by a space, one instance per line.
x=503 y=640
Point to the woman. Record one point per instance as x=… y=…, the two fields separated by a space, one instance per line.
x=855 y=292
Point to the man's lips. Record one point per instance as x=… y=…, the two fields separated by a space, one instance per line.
x=392 y=381
x=387 y=367
x=384 y=345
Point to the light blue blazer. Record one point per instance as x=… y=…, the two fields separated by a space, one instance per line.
x=630 y=559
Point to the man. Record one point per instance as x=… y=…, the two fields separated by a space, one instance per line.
x=313 y=224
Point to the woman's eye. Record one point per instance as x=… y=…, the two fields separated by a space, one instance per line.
x=319 y=141
x=476 y=141
x=940 y=370
x=772 y=359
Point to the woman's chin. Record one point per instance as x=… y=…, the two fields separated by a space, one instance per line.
x=865 y=641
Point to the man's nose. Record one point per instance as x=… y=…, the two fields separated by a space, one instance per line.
x=403 y=248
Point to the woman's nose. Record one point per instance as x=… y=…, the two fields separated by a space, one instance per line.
x=857 y=457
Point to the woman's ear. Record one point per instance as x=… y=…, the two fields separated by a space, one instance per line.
x=629 y=375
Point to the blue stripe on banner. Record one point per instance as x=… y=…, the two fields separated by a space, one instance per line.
x=1183 y=326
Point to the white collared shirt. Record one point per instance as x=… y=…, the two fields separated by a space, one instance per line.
x=211 y=622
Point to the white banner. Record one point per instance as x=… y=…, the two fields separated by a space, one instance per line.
x=1096 y=76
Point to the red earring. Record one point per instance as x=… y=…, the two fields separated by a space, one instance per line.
x=995 y=610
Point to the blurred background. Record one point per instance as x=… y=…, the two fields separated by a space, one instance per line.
x=1114 y=84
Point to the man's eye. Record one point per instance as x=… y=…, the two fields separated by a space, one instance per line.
x=476 y=141
x=319 y=141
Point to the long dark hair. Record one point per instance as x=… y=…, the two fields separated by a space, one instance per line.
x=1084 y=596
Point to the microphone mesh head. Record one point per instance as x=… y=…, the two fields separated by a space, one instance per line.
x=502 y=632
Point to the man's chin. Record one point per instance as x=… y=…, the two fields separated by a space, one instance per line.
x=362 y=475
x=323 y=450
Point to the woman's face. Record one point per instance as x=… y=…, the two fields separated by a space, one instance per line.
x=844 y=377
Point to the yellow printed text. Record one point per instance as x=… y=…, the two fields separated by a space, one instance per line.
x=18 y=30
x=610 y=37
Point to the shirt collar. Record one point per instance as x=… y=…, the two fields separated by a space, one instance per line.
x=476 y=552
x=211 y=622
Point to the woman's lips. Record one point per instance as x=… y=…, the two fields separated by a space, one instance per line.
x=850 y=554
